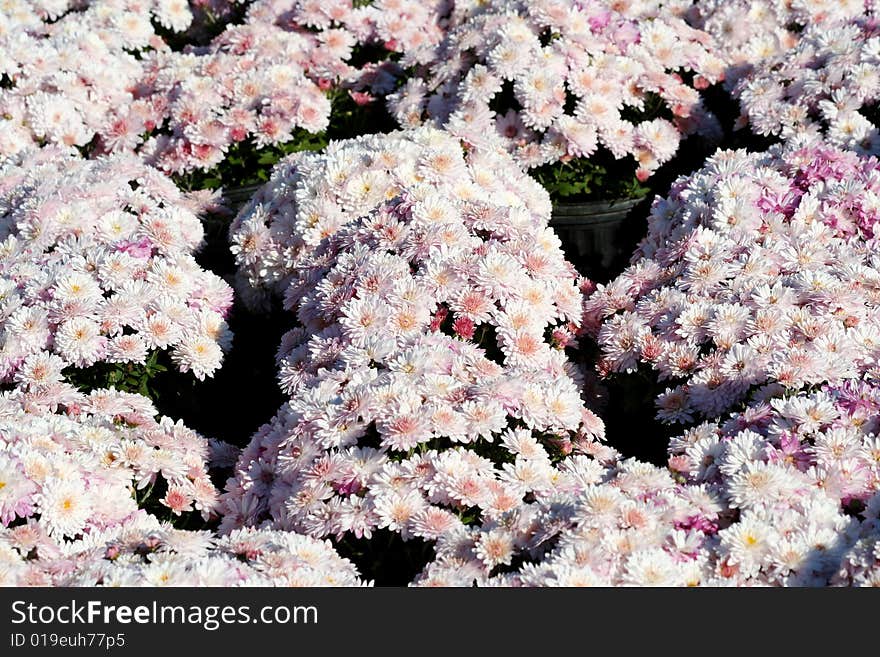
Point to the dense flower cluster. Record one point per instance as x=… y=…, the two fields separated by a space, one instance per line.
x=102 y=77
x=759 y=269
x=428 y=375
x=72 y=78
x=767 y=460
x=746 y=32
x=120 y=14
x=256 y=81
x=556 y=79
x=411 y=28
x=97 y=265
x=819 y=86
x=270 y=76
x=828 y=435
x=431 y=389
x=604 y=522
x=147 y=553
x=749 y=32
x=772 y=496
x=94 y=467
x=860 y=564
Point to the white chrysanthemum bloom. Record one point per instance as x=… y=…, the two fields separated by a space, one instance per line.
x=173 y=14
x=198 y=354
x=40 y=369
x=64 y=507
x=79 y=341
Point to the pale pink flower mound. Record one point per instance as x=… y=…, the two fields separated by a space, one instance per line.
x=96 y=75
x=828 y=84
x=567 y=76
x=803 y=473
x=73 y=71
x=424 y=380
x=275 y=74
x=254 y=81
x=759 y=273
x=412 y=28
x=97 y=266
x=785 y=493
x=75 y=474
x=750 y=33
x=147 y=553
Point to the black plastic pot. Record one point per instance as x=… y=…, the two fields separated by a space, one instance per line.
x=598 y=236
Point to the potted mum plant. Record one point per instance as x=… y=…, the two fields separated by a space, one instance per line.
x=823 y=85
x=720 y=303
x=592 y=99
x=382 y=314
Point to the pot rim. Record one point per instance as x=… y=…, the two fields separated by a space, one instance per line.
x=603 y=205
x=592 y=212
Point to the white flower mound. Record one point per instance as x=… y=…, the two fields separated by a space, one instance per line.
x=428 y=376
x=577 y=72
x=148 y=553
x=97 y=266
x=94 y=467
